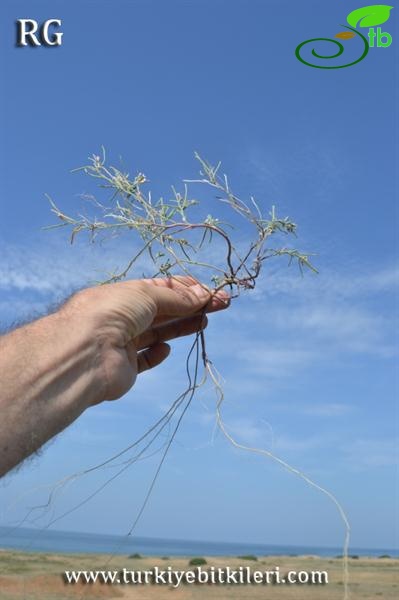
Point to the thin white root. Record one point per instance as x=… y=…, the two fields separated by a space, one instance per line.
x=220 y=394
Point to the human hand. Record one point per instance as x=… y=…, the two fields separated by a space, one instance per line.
x=130 y=322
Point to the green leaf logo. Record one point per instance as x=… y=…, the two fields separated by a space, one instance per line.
x=368 y=16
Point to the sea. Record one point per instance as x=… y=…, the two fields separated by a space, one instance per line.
x=42 y=540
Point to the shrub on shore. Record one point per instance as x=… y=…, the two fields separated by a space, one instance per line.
x=197 y=561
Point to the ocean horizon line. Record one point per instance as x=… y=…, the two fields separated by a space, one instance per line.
x=45 y=540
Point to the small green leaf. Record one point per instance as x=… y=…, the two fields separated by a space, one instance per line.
x=368 y=16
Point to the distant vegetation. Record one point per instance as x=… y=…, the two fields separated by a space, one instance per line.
x=197 y=561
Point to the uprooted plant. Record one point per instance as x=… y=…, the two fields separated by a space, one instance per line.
x=177 y=240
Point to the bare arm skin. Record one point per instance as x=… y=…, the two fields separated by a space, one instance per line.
x=89 y=351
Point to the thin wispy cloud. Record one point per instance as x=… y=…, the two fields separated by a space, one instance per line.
x=273 y=168
x=372 y=453
x=341 y=284
x=325 y=409
x=55 y=267
x=300 y=445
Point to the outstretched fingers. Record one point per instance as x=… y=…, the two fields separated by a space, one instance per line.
x=171 y=330
x=181 y=296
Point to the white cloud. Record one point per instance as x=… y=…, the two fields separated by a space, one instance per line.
x=249 y=431
x=258 y=433
x=269 y=360
x=53 y=267
x=326 y=314
x=328 y=284
x=332 y=314
x=286 y=443
x=349 y=328
x=372 y=453
x=317 y=165
x=326 y=409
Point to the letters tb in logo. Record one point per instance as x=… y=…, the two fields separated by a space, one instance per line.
x=31 y=33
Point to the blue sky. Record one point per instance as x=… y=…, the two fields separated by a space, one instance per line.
x=309 y=363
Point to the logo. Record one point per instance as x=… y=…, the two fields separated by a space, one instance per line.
x=31 y=33
x=366 y=17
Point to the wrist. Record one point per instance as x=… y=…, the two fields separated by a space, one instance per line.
x=50 y=375
x=81 y=349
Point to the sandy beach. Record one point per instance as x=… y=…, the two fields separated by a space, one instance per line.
x=32 y=576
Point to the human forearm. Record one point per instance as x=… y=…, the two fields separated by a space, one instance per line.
x=89 y=351
x=49 y=376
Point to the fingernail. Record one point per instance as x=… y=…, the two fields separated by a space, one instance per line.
x=201 y=291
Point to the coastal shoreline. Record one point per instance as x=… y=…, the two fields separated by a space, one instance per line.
x=40 y=575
